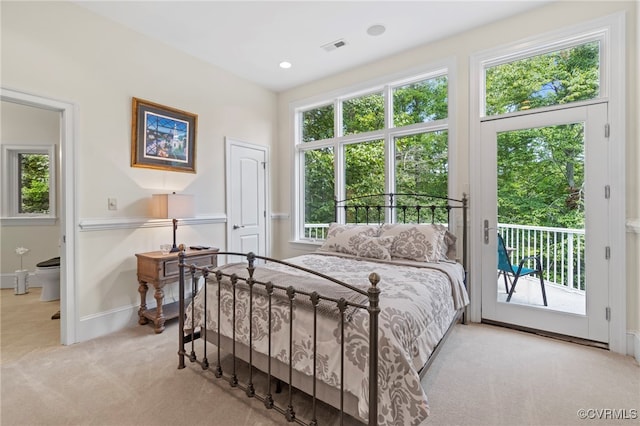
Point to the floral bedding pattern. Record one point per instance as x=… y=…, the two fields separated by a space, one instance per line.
x=418 y=302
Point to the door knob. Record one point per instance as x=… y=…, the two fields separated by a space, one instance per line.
x=237 y=226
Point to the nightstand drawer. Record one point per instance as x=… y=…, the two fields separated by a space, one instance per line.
x=171 y=268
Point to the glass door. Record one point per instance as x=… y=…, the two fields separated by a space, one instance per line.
x=544 y=212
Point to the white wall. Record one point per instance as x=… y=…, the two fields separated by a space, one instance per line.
x=24 y=125
x=538 y=21
x=61 y=51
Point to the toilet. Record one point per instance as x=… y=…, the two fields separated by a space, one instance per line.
x=48 y=275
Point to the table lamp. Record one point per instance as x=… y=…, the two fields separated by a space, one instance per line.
x=173 y=206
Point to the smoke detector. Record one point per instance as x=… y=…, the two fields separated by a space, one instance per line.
x=334 y=45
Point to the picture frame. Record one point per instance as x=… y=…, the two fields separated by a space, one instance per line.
x=162 y=137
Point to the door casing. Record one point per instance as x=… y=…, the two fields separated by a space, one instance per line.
x=614 y=90
x=69 y=320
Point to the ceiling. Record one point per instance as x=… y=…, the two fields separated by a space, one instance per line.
x=251 y=38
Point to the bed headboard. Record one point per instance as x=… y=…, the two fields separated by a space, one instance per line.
x=404 y=208
x=398 y=208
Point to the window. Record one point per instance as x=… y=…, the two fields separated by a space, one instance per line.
x=362 y=144
x=28 y=182
x=550 y=157
x=558 y=77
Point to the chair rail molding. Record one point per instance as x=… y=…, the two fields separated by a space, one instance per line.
x=633 y=225
x=107 y=224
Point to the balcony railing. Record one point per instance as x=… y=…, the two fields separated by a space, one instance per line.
x=316 y=231
x=561 y=250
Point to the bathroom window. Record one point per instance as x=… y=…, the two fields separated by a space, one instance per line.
x=28 y=184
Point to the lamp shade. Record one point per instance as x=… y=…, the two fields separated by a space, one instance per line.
x=173 y=206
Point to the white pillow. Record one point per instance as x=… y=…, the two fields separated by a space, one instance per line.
x=419 y=242
x=346 y=238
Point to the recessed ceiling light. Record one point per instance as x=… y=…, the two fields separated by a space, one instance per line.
x=285 y=65
x=376 y=30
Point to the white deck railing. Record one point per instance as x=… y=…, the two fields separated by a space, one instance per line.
x=316 y=231
x=561 y=250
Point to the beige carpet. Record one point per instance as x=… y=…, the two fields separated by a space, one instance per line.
x=484 y=375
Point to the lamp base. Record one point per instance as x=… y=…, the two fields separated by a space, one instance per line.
x=175 y=248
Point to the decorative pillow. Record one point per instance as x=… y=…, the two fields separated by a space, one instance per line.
x=346 y=238
x=375 y=247
x=448 y=247
x=419 y=242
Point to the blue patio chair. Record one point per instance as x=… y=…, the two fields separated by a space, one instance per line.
x=505 y=267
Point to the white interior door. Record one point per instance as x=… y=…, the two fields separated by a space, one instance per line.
x=589 y=321
x=246 y=198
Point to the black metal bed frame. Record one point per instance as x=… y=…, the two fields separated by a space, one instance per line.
x=390 y=209
x=195 y=273
x=315 y=298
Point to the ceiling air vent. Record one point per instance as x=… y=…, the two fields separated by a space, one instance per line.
x=334 y=45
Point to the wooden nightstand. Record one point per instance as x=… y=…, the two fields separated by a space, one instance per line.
x=160 y=269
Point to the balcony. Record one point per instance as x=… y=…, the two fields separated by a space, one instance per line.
x=561 y=252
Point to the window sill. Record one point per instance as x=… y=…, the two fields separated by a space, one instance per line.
x=306 y=244
x=28 y=221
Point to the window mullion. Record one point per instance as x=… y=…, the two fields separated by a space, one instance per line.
x=389 y=140
x=338 y=153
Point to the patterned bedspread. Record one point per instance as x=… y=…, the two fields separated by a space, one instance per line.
x=418 y=302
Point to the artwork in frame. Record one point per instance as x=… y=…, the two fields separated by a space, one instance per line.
x=163 y=138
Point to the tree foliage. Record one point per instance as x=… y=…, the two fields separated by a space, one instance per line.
x=540 y=171
x=552 y=79
x=34 y=183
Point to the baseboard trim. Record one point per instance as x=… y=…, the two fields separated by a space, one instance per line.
x=633 y=344
x=9 y=281
x=117 y=319
x=103 y=323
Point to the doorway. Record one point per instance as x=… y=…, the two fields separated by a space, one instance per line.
x=246 y=198
x=573 y=261
x=66 y=212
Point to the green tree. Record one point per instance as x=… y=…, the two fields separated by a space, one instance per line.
x=541 y=171
x=34 y=183
x=319 y=186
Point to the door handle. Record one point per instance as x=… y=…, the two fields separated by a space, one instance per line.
x=237 y=226
x=486 y=231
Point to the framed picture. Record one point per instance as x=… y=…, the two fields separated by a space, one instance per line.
x=163 y=138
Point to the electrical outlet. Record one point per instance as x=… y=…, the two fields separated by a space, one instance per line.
x=112 y=204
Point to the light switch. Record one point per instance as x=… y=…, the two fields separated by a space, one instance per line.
x=112 y=204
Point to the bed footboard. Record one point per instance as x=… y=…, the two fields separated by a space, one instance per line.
x=292 y=298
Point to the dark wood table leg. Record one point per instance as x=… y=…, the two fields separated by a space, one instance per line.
x=142 y=289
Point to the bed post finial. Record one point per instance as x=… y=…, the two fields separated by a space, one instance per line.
x=374 y=279
x=374 y=310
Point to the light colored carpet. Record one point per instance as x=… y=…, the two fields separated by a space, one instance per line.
x=484 y=375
